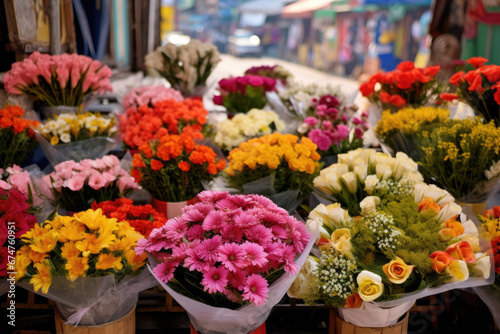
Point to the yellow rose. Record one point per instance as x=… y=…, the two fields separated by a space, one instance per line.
x=370 y=285
x=397 y=271
x=273 y=162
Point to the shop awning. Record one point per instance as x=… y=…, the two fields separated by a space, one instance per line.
x=304 y=8
x=265 y=7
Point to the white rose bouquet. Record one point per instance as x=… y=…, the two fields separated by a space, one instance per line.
x=186 y=67
x=256 y=123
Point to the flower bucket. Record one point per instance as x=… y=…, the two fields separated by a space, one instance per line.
x=124 y=325
x=260 y=330
x=171 y=209
x=339 y=326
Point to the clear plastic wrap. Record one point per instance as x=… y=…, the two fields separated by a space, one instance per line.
x=283 y=112
x=91 y=148
x=90 y=301
x=372 y=315
x=216 y=320
x=46 y=208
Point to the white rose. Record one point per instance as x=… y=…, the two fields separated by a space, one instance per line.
x=383 y=171
x=469 y=227
x=370 y=285
x=310 y=265
x=350 y=181
x=449 y=210
x=458 y=271
x=401 y=156
x=414 y=177
x=303 y=128
x=482 y=265
x=361 y=171
x=371 y=182
x=368 y=204
x=384 y=159
x=333 y=216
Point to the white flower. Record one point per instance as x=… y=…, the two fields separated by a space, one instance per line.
x=494 y=171
x=350 y=181
x=368 y=204
x=458 y=271
x=370 y=285
x=449 y=210
x=383 y=171
x=482 y=265
x=370 y=183
x=384 y=159
x=65 y=138
x=361 y=171
x=332 y=215
x=327 y=181
x=294 y=290
x=414 y=177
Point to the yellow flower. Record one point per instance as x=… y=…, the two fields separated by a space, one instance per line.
x=397 y=271
x=135 y=261
x=56 y=223
x=36 y=232
x=76 y=267
x=23 y=260
x=108 y=261
x=43 y=278
x=92 y=244
x=54 y=140
x=72 y=231
x=370 y=285
x=94 y=219
x=44 y=243
x=69 y=250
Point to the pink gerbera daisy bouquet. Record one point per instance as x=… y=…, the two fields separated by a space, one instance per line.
x=236 y=253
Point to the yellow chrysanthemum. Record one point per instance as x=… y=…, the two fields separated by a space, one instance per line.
x=76 y=267
x=69 y=250
x=43 y=278
x=108 y=261
x=36 y=232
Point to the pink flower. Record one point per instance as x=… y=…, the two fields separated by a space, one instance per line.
x=208 y=249
x=214 y=221
x=311 y=121
x=236 y=279
x=4 y=185
x=256 y=290
x=255 y=81
x=232 y=256
x=359 y=133
x=194 y=261
x=254 y=254
x=125 y=183
x=76 y=183
x=165 y=270
x=108 y=177
x=193 y=215
x=97 y=181
x=245 y=220
x=259 y=234
x=140 y=247
x=287 y=255
x=175 y=228
x=321 y=139
x=110 y=160
x=212 y=196
x=231 y=233
x=195 y=232
x=215 y=280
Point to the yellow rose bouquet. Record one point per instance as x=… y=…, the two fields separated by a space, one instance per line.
x=76 y=137
x=86 y=263
x=410 y=240
x=277 y=166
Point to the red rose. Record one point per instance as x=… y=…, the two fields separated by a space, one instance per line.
x=367 y=88
x=477 y=61
x=405 y=66
x=456 y=78
x=269 y=84
x=255 y=81
x=491 y=72
x=432 y=70
x=228 y=85
x=218 y=100
x=404 y=80
x=476 y=85
x=448 y=97
x=385 y=97
x=397 y=100
x=420 y=76
x=388 y=78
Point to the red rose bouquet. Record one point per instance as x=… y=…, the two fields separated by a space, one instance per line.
x=139 y=125
x=479 y=88
x=143 y=218
x=240 y=94
x=406 y=86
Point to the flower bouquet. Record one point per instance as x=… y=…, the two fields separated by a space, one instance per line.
x=358 y=172
x=241 y=127
x=172 y=169
x=406 y=86
x=241 y=94
x=16 y=218
x=17 y=138
x=410 y=241
x=149 y=96
x=479 y=88
x=58 y=80
x=491 y=231
x=278 y=166
x=77 y=136
x=86 y=264
x=463 y=157
x=142 y=218
x=74 y=186
x=140 y=125
x=186 y=67
x=331 y=126
x=276 y=72
x=228 y=259
x=400 y=130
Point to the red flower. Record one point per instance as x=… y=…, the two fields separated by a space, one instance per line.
x=367 y=88
x=448 y=96
x=404 y=80
x=397 y=100
x=456 y=78
x=491 y=72
x=432 y=70
x=420 y=76
x=218 y=100
x=405 y=66
x=477 y=61
x=184 y=166
x=136 y=175
x=385 y=97
x=156 y=165
x=476 y=85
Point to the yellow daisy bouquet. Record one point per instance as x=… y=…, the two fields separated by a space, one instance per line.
x=85 y=263
x=278 y=166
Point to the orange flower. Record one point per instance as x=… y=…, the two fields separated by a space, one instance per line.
x=441 y=260
x=462 y=251
x=147 y=150
x=477 y=61
x=156 y=165
x=136 y=174
x=137 y=162
x=353 y=301
x=446 y=234
x=455 y=226
x=184 y=166
x=428 y=203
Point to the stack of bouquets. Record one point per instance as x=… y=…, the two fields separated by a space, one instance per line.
x=241 y=94
x=241 y=127
x=463 y=157
x=357 y=174
x=406 y=86
x=491 y=231
x=74 y=186
x=331 y=126
x=278 y=166
x=228 y=259
x=140 y=125
x=143 y=218
x=479 y=88
x=172 y=169
x=409 y=241
x=186 y=67
x=17 y=138
x=87 y=264
x=149 y=95
x=277 y=72
x=76 y=136
x=400 y=131
x=58 y=80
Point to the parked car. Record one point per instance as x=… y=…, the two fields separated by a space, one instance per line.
x=243 y=42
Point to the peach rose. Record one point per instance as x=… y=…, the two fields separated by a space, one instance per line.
x=446 y=234
x=428 y=203
x=353 y=301
x=462 y=251
x=455 y=225
x=440 y=260
x=397 y=271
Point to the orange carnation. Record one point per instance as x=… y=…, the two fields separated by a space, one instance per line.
x=156 y=165
x=184 y=166
x=137 y=162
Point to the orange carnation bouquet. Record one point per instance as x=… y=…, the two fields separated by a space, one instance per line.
x=17 y=138
x=173 y=167
x=139 y=125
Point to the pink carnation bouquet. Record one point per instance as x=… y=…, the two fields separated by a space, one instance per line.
x=58 y=80
x=334 y=127
x=76 y=185
x=15 y=178
x=149 y=95
x=235 y=253
x=241 y=94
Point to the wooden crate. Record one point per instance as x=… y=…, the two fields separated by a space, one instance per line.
x=339 y=326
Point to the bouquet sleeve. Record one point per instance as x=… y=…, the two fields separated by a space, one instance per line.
x=283 y=112
x=215 y=320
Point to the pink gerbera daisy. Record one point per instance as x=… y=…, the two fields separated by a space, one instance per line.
x=209 y=248
x=194 y=262
x=204 y=208
x=236 y=279
x=245 y=220
x=231 y=233
x=255 y=290
x=140 y=248
x=226 y=205
x=259 y=234
x=193 y=215
x=214 y=221
x=232 y=256
x=165 y=270
x=175 y=228
x=212 y=196
x=288 y=257
x=195 y=232
x=254 y=254
x=215 y=279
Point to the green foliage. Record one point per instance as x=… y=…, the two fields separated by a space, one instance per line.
x=254 y=97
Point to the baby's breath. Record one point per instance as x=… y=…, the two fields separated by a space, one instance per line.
x=382 y=226
x=336 y=274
